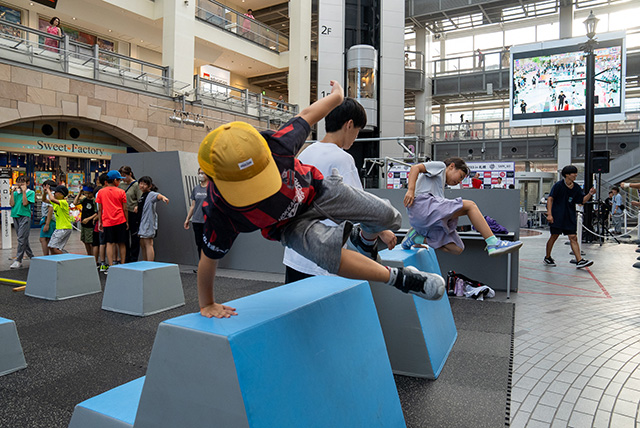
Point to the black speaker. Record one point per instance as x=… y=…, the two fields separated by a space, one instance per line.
x=600 y=161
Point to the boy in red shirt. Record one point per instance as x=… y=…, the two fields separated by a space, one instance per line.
x=113 y=216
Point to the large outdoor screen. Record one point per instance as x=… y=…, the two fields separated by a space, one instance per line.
x=548 y=81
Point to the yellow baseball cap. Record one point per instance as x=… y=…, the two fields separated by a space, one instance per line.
x=239 y=160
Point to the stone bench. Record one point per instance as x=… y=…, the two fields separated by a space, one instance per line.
x=306 y=354
x=419 y=333
x=143 y=288
x=62 y=276
x=11 y=356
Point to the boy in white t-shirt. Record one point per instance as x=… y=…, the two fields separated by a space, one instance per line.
x=342 y=126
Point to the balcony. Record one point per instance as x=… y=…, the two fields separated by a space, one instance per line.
x=221 y=16
x=26 y=46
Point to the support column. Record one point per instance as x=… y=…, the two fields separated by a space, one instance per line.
x=300 y=53
x=178 y=40
x=564 y=148
x=423 y=99
x=565 y=21
x=391 y=80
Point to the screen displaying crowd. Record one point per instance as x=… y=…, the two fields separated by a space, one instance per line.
x=554 y=83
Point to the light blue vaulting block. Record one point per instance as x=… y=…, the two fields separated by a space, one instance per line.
x=115 y=408
x=143 y=288
x=307 y=354
x=62 y=276
x=11 y=356
x=419 y=333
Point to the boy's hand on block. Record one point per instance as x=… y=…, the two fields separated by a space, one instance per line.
x=218 y=311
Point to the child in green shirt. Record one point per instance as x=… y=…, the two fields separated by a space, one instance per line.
x=61 y=235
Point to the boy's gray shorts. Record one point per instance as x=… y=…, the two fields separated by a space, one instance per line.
x=59 y=238
x=344 y=205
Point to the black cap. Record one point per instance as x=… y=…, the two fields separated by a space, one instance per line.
x=62 y=189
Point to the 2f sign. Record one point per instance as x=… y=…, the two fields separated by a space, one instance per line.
x=325 y=30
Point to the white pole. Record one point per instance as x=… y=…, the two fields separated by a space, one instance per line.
x=5 y=188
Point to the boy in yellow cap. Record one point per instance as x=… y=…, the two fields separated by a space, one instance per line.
x=257 y=183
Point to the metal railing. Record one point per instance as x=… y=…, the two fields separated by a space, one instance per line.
x=500 y=129
x=26 y=45
x=222 y=16
x=242 y=101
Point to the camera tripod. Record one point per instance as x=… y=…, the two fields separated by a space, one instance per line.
x=600 y=219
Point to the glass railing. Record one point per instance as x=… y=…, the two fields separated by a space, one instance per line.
x=37 y=48
x=490 y=60
x=242 y=101
x=235 y=22
x=413 y=60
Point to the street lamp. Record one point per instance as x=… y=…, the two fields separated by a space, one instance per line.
x=590 y=23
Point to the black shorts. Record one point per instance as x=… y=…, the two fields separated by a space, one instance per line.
x=96 y=239
x=558 y=231
x=116 y=234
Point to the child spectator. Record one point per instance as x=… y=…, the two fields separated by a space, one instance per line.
x=89 y=213
x=148 y=216
x=112 y=217
x=434 y=218
x=47 y=219
x=258 y=184
x=99 y=234
x=61 y=235
x=20 y=200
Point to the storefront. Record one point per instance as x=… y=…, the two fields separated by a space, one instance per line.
x=67 y=162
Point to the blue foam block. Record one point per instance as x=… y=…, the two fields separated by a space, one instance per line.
x=307 y=354
x=115 y=408
x=419 y=333
x=11 y=355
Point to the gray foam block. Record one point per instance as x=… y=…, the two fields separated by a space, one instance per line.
x=62 y=276
x=11 y=356
x=143 y=288
x=419 y=333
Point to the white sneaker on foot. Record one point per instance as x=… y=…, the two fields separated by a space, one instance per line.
x=15 y=265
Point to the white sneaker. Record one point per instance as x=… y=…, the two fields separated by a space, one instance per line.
x=15 y=265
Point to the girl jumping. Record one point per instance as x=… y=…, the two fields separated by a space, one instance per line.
x=434 y=218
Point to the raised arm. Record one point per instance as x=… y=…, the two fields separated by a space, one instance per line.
x=52 y=198
x=206 y=297
x=589 y=194
x=630 y=185
x=414 y=172
x=318 y=110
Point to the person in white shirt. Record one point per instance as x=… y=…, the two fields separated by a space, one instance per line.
x=329 y=155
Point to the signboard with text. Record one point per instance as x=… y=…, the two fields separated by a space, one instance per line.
x=52 y=146
x=490 y=172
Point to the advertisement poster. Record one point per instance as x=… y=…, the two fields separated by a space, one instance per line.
x=41 y=177
x=397 y=176
x=489 y=173
x=74 y=182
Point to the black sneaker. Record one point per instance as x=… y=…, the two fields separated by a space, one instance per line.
x=355 y=243
x=429 y=286
x=583 y=263
x=549 y=261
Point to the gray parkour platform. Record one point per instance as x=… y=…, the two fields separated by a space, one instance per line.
x=306 y=354
x=62 y=276
x=11 y=356
x=143 y=288
x=419 y=333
